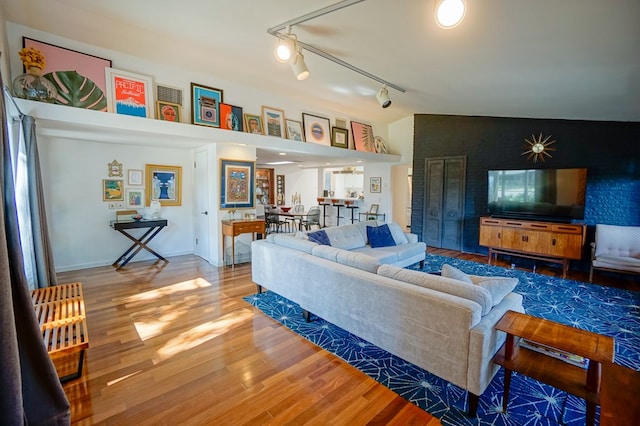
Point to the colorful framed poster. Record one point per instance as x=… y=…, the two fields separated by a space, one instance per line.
x=237 y=184
x=112 y=190
x=135 y=197
x=273 y=121
x=339 y=137
x=164 y=184
x=375 y=184
x=79 y=77
x=316 y=129
x=231 y=117
x=129 y=93
x=294 y=130
x=205 y=105
x=253 y=124
x=363 y=137
x=168 y=111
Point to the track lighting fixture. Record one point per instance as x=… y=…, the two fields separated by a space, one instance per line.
x=285 y=48
x=298 y=65
x=449 y=13
x=383 y=97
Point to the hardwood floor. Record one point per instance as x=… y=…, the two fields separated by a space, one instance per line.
x=178 y=345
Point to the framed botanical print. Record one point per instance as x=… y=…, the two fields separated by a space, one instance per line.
x=231 y=117
x=316 y=129
x=112 y=190
x=253 y=124
x=363 y=137
x=129 y=93
x=339 y=137
x=273 y=121
x=164 y=184
x=294 y=130
x=237 y=184
x=205 y=105
x=168 y=111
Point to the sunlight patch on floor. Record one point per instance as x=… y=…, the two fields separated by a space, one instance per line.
x=168 y=290
x=119 y=379
x=201 y=334
x=156 y=320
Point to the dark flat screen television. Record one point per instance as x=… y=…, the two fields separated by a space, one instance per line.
x=556 y=195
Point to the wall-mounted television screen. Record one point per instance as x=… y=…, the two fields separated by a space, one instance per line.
x=543 y=194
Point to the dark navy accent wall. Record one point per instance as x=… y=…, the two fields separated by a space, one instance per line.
x=609 y=150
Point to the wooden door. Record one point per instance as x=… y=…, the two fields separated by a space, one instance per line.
x=444 y=202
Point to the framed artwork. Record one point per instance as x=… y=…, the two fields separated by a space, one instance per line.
x=164 y=184
x=316 y=129
x=231 y=117
x=114 y=168
x=135 y=197
x=134 y=177
x=280 y=190
x=339 y=137
x=273 y=121
x=167 y=111
x=79 y=77
x=294 y=130
x=129 y=93
x=363 y=137
x=253 y=124
x=237 y=184
x=112 y=190
x=205 y=105
x=375 y=184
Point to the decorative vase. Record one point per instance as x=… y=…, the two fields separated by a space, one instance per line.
x=34 y=87
x=154 y=209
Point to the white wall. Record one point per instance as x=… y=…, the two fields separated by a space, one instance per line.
x=401 y=132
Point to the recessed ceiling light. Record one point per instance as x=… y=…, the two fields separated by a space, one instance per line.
x=282 y=153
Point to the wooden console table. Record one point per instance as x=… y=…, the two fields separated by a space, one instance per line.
x=233 y=228
x=583 y=383
x=154 y=225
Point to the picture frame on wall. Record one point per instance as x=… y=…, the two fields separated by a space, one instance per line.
x=375 y=184
x=237 y=184
x=339 y=137
x=164 y=184
x=231 y=117
x=112 y=190
x=316 y=129
x=294 y=130
x=363 y=139
x=168 y=111
x=253 y=124
x=135 y=198
x=273 y=121
x=134 y=177
x=79 y=77
x=205 y=105
x=129 y=93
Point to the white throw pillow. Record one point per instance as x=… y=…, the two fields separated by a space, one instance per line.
x=498 y=287
x=398 y=235
x=449 y=271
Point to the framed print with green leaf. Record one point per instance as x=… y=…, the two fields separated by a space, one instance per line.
x=205 y=105
x=339 y=137
x=316 y=129
x=237 y=184
x=164 y=184
x=363 y=137
x=129 y=93
x=273 y=121
x=79 y=77
x=112 y=190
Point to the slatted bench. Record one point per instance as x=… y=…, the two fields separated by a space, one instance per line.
x=61 y=315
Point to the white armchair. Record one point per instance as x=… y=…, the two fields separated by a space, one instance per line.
x=616 y=248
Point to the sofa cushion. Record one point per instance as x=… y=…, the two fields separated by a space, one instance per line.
x=326 y=252
x=380 y=236
x=319 y=237
x=358 y=260
x=291 y=242
x=445 y=285
x=449 y=271
x=380 y=254
x=498 y=287
x=398 y=234
x=346 y=237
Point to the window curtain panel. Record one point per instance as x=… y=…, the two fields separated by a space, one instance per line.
x=31 y=390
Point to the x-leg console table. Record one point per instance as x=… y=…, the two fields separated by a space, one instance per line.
x=154 y=225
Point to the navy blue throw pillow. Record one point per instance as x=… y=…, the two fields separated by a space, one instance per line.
x=319 y=237
x=380 y=236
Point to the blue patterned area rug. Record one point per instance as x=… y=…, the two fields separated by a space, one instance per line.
x=603 y=310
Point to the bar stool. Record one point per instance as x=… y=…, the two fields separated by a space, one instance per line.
x=336 y=203
x=324 y=204
x=351 y=206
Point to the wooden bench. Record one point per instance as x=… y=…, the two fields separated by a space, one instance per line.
x=61 y=315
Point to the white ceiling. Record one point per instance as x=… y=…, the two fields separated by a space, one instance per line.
x=572 y=59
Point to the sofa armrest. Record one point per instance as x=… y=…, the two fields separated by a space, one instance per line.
x=412 y=238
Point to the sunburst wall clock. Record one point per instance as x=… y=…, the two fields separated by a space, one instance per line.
x=538 y=148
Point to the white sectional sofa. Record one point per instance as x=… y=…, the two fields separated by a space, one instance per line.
x=443 y=325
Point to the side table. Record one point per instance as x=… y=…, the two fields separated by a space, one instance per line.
x=583 y=383
x=154 y=225
x=233 y=228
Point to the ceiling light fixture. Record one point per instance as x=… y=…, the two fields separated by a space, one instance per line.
x=285 y=48
x=449 y=13
x=298 y=65
x=383 y=97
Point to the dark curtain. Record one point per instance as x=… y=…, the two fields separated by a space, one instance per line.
x=31 y=390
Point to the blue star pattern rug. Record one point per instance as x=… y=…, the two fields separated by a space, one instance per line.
x=603 y=310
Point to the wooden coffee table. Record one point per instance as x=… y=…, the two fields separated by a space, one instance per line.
x=581 y=382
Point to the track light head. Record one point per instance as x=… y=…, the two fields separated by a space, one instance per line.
x=298 y=66
x=383 y=97
x=449 y=13
x=285 y=49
